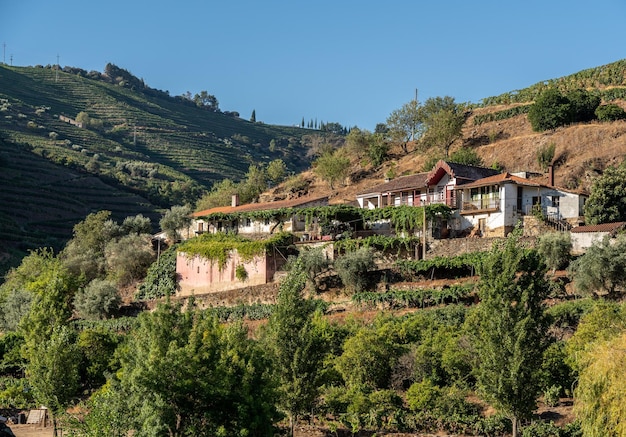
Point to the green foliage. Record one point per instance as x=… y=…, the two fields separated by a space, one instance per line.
x=512 y=328
x=566 y=315
x=53 y=369
x=443 y=128
x=240 y=273
x=553 y=109
x=606 y=321
x=607 y=202
x=550 y=110
x=600 y=271
x=610 y=112
x=501 y=115
x=16 y=392
x=406 y=123
x=97 y=348
x=368 y=359
x=600 y=396
x=555 y=248
x=545 y=155
x=467 y=261
x=332 y=167
x=174 y=220
x=276 y=171
x=160 y=279
x=315 y=262
x=423 y=395
x=293 y=346
x=467 y=156
x=218 y=247
x=418 y=298
x=217 y=383
x=353 y=266
x=100 y=299
x=129 y=257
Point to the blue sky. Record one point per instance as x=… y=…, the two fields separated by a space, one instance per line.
x=345 y=61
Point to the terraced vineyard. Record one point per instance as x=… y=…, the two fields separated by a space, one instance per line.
x=145 y=151
x=40 y=202
x=189 y=147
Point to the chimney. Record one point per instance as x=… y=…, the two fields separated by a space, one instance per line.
x=551 y=175
x=235 y=200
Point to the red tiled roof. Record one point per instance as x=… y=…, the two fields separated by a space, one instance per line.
x=462 y=172
x=604 y=227
x=502 y=178
x=290 y=203
x=401 y=183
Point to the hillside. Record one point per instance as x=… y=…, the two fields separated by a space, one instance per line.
x=499 y=132
x=142 y=152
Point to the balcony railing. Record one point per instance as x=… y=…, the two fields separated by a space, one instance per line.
x=488 y=204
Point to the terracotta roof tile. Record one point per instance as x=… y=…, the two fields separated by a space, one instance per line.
x=417 y=180
x=290 y=203
x=604 y=227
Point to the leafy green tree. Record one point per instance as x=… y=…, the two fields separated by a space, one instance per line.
x=160 y=278
x=53 y=371
x=467 y=156
x=332 y=167
x=220 y=195
x=253 y=116
x=186 y=374
x=443 y=127
x=368 y=359
x=137 y=224
x=405 y=124
x=276 y=171
x=97 y=348
x=98 y=300
x=600 y=271
x=610 y=112
x=295 y=349
x=600 y=396
x=83 y=255
x=512 y=328
x=607 y=201
x=352 y=268
x=378 y=149
x=555 y=248
x=357 y=142
x=254 y=184
x=129 y=257
x=207 y=101
x=314 y=262
x=583 y=105
x=550 y=110
x=176 y=218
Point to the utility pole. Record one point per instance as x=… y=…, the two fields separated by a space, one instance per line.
x=4 y=53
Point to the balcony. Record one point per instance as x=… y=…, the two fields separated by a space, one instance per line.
x=481 y=205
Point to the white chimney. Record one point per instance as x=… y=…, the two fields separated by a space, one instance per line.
x=235 y=200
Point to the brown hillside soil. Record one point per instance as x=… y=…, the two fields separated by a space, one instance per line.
x=582 y=152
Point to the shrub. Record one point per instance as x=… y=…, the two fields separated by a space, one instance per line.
x=555 y=249
x=545 y=155
x=610 y=112
x=423 y=395
x=551 y=395
x=98 y=300
x=353 y=266
x=241 y=273
x=542 y=429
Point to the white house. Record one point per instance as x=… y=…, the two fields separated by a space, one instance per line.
x=404 y=190
x=225 y=218
x=494 y=205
